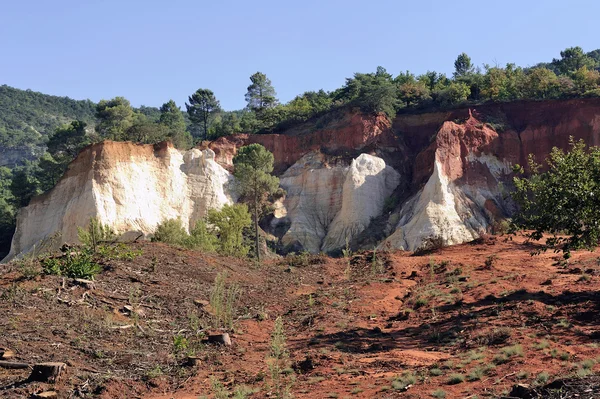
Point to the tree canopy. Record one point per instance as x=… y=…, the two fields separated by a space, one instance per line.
x=253 y=165
x=561 y=198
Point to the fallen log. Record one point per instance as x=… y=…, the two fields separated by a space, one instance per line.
x=13 y=365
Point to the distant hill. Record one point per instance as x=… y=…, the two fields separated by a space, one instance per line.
x=27 y=117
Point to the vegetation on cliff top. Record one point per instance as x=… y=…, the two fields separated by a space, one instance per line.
x=35 y=121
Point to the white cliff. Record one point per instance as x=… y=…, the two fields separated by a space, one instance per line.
x=328 y=204
x=128 y=187
x=440 y=211
x=368 y=183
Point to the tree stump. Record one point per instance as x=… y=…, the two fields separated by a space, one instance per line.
x=6 y=354
x=221 y=339
x=47 y=372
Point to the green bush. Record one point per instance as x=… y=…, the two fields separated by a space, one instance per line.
x=222 y=301
x=74 y=264
x=171 y=231
x=95 y=234
x=201 y=238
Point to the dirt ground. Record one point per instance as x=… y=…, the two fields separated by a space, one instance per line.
x=469 y=321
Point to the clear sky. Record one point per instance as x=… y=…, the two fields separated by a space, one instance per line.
x=150 y=51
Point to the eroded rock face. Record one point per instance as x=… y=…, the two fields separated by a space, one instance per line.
x=128 y=187
x=463 y=195
x=327 y=204
x=447 y=171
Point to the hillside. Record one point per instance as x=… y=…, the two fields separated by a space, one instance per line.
x=469 y=320
x=27 y=117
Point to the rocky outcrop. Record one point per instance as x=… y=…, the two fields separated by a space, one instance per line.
x=343 y=132
x=128 y=187
x=426 y=177
x=329 y=201
x=463 y=196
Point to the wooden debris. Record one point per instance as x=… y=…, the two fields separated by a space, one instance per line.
x=6 y=354
x=47 y=372
x=89 y=284
x=46 y=394
x=220 y=339
x=13 y=365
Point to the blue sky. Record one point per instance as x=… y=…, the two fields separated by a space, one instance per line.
x=151 y=51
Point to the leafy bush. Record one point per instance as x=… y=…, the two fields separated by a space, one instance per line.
x=561 y=201
x=229 y=224
x=171 y=231
x=95 y=234
x=74 y=264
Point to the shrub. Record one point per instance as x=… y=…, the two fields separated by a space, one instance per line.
x=223 y=300
x=201 y=238
x=439 y=394
x=95 y=234
x=171 y=231
x=542 y=378
x=456 y=379
x=229 y=224
x=278 y=363
x=74 y=264
x=403 y=382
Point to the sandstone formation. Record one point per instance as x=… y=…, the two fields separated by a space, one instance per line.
x=464 y=194
x=329 y=201
x=128 y=187
x=446 y=175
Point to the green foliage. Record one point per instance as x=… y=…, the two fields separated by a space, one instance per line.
x=462 y=66
x=172 y=118
x=201 y=238
x=253 y=168
x=171 y=231
x=26 y=117
x=202 y=107
x=223 y=300
x=7 y=211
x=372 y=92
x=562 y=201
x=222 y=231
x=95 y=234
x=228 y=225
x=115 y=117
x=260 y=94
x=77 y=263
x=279 y=363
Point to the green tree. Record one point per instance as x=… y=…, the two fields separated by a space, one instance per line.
x=23 y=185
x=456 y=93
x=68 y=140
x=49 y=171
x=253 y=166
x=372 y=92
x=563 y=200
x=172 y=118
x=203 y=105
x=413 y=92
x=7 y=211
x=225 y=124
x=115 y=117
x=572 y=59
x=540 y=83
x=261 y=94
x=229 y=224
x=462 y=66
x=585 y=80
